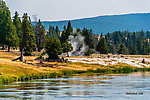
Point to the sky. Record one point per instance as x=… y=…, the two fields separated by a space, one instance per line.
x=55 y=10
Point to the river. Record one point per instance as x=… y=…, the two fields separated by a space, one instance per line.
x=133 y=86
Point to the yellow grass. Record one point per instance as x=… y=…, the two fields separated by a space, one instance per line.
x=11 y=68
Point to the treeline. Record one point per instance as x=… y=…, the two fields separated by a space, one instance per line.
x=133 y=43
x=63 y=37
x=19 y=33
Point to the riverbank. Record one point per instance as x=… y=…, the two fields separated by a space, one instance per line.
x=17 y=71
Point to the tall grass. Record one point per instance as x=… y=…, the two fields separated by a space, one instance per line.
x=12 y=73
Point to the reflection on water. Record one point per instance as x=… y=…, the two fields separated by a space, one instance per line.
x=82 y=87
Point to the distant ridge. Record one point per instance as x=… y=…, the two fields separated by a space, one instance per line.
x=108 y=23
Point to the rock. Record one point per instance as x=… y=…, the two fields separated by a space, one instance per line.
x=41 y=62
x=114 y=56
x=0 y=74
x=66 y=61
x=122 y=56
x=143 y=61
x=51 y=66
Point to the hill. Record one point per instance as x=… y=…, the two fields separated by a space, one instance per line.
x=109 y=23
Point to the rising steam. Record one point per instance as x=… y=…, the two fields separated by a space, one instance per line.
x=78 y=44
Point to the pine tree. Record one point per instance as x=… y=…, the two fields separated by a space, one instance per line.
x=102 y=47
x=52 y=32
x=139 y=45
x=8 y=34
x=3 y=10
x=53 y=48
x=69 y=29
x=133 y=50
x=101 y=35
x=17 y=23
x=89 y=38
x=40 y=36
x=63 y=37
x=145 y=48
x=67 y=32
x=57 y=32
x=28 y=41
x=12 y=38
x=67 y=47
x=134 y=38
x=112 y=48
x=122 y=49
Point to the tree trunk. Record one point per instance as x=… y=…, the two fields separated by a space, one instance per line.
x=3 y=47
x=8 y=48
x=39 y=50
x=39 y=46
x=21 y=56
x=67 y=54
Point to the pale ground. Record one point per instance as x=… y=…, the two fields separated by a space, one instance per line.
x=135 y=61
x=132 y=60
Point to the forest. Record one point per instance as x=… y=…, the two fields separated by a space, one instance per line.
x=18 y=32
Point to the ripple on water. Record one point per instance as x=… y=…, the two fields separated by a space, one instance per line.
x=86 y=87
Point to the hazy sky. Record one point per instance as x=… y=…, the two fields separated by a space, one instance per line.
x=72 y=9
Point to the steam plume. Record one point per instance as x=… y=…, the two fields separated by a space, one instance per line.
x=78 y=44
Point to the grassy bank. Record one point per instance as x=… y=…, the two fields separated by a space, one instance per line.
x=17 y=71
x=13 y=73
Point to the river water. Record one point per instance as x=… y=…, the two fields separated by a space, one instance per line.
x=133 y=86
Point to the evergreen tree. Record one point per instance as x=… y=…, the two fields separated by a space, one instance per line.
x=3 y=24
x=133 y=50
x=101 y=47
x=28 y=41
x=52 y=32
x=8 y=34
x=145 y=48
x=148 y=34
x=53 y=48
x=66 y=33
x=112 y=48
x=17 y=23
x=89 y=38
x=40 y=36
x=63 y=37
x=11 y=37
x=101 y=35
x=122 y=49
x=139 y=45
x=78 y=30
x=69 y=29
x=135 y=42
x=57 y=32
x=128 y=43
x=142 y=34
x=134 y=38
x=67 y=47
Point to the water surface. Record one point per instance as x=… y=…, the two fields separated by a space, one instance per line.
x=133 y=86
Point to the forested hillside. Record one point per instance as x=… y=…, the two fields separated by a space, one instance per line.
x=19 y=32
x=105 y=24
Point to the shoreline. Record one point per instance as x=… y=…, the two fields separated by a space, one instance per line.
x=11 y=71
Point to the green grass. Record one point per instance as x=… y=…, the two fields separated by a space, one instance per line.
x=13 y=73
